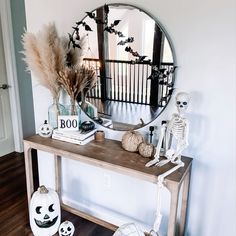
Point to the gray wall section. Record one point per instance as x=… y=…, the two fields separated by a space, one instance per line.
x=24 y=78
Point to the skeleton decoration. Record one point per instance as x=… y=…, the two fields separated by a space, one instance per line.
x=175 y=133
x=66 y=229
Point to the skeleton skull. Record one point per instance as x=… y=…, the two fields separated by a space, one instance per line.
x=182 y=101
x=66 y=229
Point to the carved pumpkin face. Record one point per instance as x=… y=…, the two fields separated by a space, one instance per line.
x=45 y=130
x=45 y=213
x=66 y=229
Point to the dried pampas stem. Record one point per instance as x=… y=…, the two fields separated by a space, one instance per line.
x=76 y=80
x=45 y=56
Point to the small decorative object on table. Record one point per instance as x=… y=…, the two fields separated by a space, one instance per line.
x=146 y=149
x=66 y=229
x=68 y=123
x=100 y=136
x=151 y=129
x=131 y=140
x=45 y=212
x=178 y=129
x=45 y=130
x=87 y=126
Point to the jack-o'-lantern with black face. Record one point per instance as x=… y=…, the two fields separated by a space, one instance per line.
x=45 y=212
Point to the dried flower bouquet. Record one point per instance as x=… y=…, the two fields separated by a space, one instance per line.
x=45 y=56
x=57 y=64
x=77 y=80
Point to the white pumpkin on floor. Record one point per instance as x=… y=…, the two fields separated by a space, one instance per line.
x=66 y=229
x=130 y=229
x=45 y=212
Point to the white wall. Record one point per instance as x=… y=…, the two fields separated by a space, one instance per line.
x=203 y=35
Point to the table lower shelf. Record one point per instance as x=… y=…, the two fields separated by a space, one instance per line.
x=89 y=217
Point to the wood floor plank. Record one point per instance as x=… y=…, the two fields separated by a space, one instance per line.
x=13 y=203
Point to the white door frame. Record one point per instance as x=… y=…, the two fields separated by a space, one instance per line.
x=9 y=50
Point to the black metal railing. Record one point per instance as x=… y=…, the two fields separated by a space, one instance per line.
x=126 y=81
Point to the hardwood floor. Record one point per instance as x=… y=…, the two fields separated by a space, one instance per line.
x=13 y=203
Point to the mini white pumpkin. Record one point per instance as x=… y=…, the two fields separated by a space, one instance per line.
x=66 y=229
x=146 y=149
x=130 y=229
x=45 y=212
x=131 y=140
x=45 y=130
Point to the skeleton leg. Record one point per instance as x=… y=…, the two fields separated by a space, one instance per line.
x=176 y=158
x=160 y=186
x=158 y=148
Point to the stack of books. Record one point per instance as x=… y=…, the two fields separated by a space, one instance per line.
x=76 y=137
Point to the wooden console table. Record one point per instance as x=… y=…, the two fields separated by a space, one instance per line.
x=110 y=155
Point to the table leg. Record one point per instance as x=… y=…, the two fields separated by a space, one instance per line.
x=58 y=174
x=28 y=172
x=174 y=190
x=184 y=202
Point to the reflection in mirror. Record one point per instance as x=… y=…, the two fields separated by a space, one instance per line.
x=134 y=64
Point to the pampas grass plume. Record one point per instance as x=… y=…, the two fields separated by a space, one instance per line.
x=45 y=56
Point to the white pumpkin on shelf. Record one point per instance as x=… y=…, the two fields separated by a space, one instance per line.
x=146 y=149
x=131 y=140
x=45 y=212
x=66 y=229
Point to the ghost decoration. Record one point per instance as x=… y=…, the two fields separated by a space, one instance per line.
x=66 y=229
x=45 y=130
x=130 y=229
x=45 y=212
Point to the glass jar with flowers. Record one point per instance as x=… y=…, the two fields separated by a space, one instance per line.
x=44 y=54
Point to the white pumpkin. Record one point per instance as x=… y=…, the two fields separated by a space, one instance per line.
x=131 y=140
x=45 y=130
x=45 y=212
x=66 y=229
x=130 y=229
x=146 y=149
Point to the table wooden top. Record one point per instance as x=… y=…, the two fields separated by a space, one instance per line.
x=110 y=155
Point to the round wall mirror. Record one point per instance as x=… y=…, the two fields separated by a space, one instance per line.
x=134 y=63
